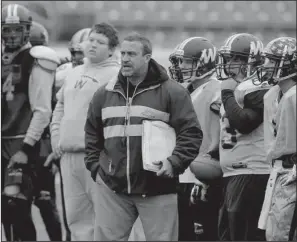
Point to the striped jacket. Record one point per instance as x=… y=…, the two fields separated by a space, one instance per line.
x=113 y=132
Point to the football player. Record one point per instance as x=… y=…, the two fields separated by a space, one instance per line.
x=242 y=153
x=280 y=71
x=76 y=47
x=45 y=199
x=193 y=65
x=27 y=79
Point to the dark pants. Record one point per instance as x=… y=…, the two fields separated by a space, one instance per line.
x=203 y=213
x=45 y=200
x=16 y=214
x=243 y=197
x=207 y=213
x=17 y=220
x=186 y=214
x=20 y=220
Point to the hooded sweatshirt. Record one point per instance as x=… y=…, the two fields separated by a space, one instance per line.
x=69 y=117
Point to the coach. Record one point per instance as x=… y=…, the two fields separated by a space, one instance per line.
x=142 y=90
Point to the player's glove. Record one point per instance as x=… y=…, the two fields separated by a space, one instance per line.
x=199 y=192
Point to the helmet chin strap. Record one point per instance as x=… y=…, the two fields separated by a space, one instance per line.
x=205 y=74
x=278 y=79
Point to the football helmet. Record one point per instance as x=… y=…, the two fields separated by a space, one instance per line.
x=76 y=46
x=245 y=47
x=193 y=59
x=280 y=61
x=38 y=34
x=16 y=21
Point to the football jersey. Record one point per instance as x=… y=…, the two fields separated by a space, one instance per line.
x=280 y=123
x=205 y=98
x=242 y=153
x=271 y=104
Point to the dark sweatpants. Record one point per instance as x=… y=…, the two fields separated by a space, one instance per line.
x=21 y=216
x=45 y=200
x=204 y=213
x=16 y=212
x=186 y=213
x=243 y=196
x=208 y=212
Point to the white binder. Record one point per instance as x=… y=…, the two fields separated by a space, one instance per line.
x=158 y=143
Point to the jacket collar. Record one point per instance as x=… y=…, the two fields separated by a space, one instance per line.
x=156 y=75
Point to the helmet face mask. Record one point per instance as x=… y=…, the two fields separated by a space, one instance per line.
x=267 y=71
x=185 y=69
x=238 y=57
x=77 y=57
x=14 y=35
x=232 y=65
x=76 y=46
x=280 y=61
x=174 y=70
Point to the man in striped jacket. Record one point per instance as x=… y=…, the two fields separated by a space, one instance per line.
x=113 y=130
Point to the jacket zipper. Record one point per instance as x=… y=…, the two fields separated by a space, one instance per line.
x=128 y=139
x=127 y=123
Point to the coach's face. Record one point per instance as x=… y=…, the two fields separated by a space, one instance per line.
x=133 y=61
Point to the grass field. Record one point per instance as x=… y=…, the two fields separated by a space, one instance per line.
x=160 y=55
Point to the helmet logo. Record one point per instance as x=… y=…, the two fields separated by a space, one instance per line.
x=256 y=48
x=208 y=55
x=12 y=16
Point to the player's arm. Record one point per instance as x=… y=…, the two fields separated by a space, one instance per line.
x=58 y=114
x=246 y=119
x=40 y=93
x=215 y=106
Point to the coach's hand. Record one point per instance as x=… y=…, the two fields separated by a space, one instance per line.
x=19 y=157
x=166 y=168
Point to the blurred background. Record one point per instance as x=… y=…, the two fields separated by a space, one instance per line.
x=167 y=23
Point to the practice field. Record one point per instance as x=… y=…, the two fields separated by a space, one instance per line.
x=160 y=55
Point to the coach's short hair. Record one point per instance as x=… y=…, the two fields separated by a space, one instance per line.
x=146 y=43
x=109 y=31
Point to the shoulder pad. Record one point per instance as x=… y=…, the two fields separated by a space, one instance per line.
x=46 y=57
x=62 y=72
